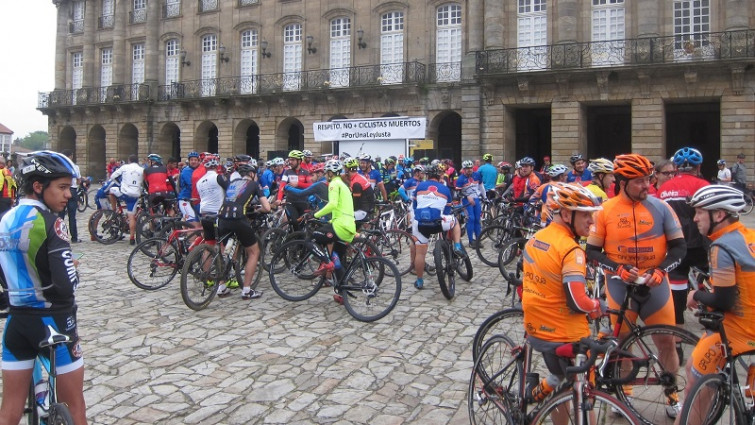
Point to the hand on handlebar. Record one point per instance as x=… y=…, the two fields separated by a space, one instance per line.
x=653 y=277
x=627 y=273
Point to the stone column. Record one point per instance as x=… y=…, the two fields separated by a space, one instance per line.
x=90 y=51
x=471 y=106
x=736 y=14
x=738 y=128
x=648 y=127
x=567 y=130
x=121 y=55
x=494 y=27
x=475 y=25
x=648 y=12
x=61 y=59
x=152 y=47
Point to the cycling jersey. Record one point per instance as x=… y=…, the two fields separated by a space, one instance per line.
x=573 y=177
x=184 y=183
x=132 y=177
x=238 y=197
x=341 y=208
x=489 y=175
x=390 y=179
x=211 y=188
x=156 y=179
x=675 y=192
x=362 y=193
x=523 y=187
x=552 y=259
x=432 y=199
x=373 y=176
x=470 y=186
x=195 y=176
x=409 y=186
x=267 y=181
x=300 y=178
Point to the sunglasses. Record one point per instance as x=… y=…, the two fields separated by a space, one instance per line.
x=667 y=173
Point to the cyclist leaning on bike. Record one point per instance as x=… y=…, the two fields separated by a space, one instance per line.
x=131 y=178
x=39 y=271
x=160 y=187
x=732 y=274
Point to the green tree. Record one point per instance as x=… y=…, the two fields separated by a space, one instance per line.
x=36 y=140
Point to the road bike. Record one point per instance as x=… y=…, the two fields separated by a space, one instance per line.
x=47 y=410
x=447 y=263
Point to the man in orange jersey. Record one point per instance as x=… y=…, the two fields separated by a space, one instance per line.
x=638 y=239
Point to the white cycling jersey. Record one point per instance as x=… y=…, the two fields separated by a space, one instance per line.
x=132 y=179
x=211 y=193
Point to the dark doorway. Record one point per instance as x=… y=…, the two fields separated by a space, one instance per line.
x=533 y=134
x=696 y=125
x=175 y=144
x=253 y=141
x=449 y=139
x=609 y=131
x=295 y=137
x=212 y=139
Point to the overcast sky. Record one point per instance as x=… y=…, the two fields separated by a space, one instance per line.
x=27 y=31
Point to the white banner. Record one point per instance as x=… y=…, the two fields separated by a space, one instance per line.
x=391 y=128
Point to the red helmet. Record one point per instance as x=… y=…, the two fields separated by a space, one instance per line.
x=319 y=167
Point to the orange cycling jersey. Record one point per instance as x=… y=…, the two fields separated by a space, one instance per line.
x=635 y=233
x=552 y=257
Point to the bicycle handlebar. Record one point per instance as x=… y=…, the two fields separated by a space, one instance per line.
x=595 y=348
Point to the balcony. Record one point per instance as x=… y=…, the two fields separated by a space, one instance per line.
x=94 y=96
x=137 y=16
x=76 y=26
x=317 y=80
x=207 y=5
x=171 y=10
x=105 y=21
x=686 y=48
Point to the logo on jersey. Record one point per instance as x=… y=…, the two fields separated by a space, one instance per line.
x=76 y=351
x=61 y=230
x=541 y=245
x=624 y=223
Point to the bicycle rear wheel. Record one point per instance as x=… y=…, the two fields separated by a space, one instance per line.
x=82 y=203
x=603 y=409
x=509 y=322
x=398 y=246
x=372 y=288
x=706 y=403
x=200 y=275
x=238 y=268
x=153 y=264
x=445 y=270
x=105 y=226
x=646 y=394
x=749 y=203
x=463 y=267
x=151 y=226
x=495 y=387
x=292 y=271
x=270 y=241
x=490 y=243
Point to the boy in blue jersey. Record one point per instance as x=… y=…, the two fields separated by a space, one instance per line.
x=188 y=211
x=471 y=189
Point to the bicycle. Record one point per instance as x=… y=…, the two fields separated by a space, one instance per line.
x=369 y=289
x=108 y=226
x=501 y=385
x=47 y=410
x=82 y=195
x=447 y=263
x=718 y=397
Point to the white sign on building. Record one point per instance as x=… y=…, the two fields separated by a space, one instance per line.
x=375 y=136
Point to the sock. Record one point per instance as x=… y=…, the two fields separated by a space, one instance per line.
x=457 y=245
x=336 y=260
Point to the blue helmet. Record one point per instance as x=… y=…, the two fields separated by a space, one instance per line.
x=155 y=158
x=408 y=160
x=193 y=154
x=688 y=157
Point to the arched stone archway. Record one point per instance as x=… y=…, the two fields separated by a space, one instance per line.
x=206 y=137
x=96 y=142
x=246 y=138
x=445 y=130
x=169 y=141
x=290 y=135
x=67 y=139
x=128 y=141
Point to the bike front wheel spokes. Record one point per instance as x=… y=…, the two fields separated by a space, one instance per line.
x=292 y=271
x=152 y=264
x=490 y=243
x=371 y=289
x=105 y=226
x=494 y=395
x=200 y=276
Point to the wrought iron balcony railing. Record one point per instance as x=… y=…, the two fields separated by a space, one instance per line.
x=94 y=96
x=444 y=72
x=137 y=16
x=105 y=21
x=626 y=52
x=207 y=5
x=248 y=2
x=171 y=10
x=324 y=79
x=76 y=26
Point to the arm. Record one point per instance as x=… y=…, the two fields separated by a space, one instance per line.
x=402 y=194
x=333 y=196
x=382 y=190
x=677 y=250
x=63 y=273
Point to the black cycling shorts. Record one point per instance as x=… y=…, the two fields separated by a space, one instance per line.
x=240 y=227
x=24 y=332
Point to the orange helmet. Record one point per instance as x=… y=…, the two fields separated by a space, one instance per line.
x=572 y=197
x=632 y=166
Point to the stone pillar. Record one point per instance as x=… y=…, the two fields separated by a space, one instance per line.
x=648 y=127
x=492 y=137
x=61 y=59
x=90 y=51
x=470 y=122
x=567 y=130
x=508 y=134
x=648 y=12
x=738 y=129
x=566 y=53
x=152 y=47
x=121 y=55
x=494 y=27
x=736 y=14
x=475 y=25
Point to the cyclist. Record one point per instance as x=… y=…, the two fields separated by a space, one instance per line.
x=317 y=193
x=504 y=177
x=406 y=191
x=188 y=212
x=390 y=175
x=732 y=274
x=638 y=239
x=39 y=271
x=131 y=178
x=675 y=192
x=489 y=173
x=579 y=173
x=159 y=186
x=307 y=163
x=556 y=173
x=211 y=190
x=238 y=160
x=295 y=176
x=472 y=190
x=232 y=218
x=267 y=179
x=361 y=190
x=602 y=178
x=432 y=214
x=554 y=296
x=724 y=174
x=372 y=175
x=525 y=182
x=341 y=227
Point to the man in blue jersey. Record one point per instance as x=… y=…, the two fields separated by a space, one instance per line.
x=39 y=272
x=432 y=214
x=471 y=189
x=188 y=211
x=489 y=173
x=372 y=175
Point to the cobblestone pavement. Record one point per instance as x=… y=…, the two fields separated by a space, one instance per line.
x=150 y=359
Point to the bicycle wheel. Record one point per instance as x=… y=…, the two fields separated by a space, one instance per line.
x=82 y=201
x=238 y=268
x=153 y=264
x=749 y=204
x=464 y=267
x=509 y=322
x=646 y=394
x=445 y=270
x=398 y=246
x=495 y=387
x=490 y=243
x=706 y=403
x=370 y=290
x=510 y=265
x=105 y=226
x=201 y=271
x=297 y=263
x=150 y=226
x=603 y=409
x=59 y=415
x=270 y=241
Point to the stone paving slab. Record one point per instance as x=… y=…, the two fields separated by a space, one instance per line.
x=151 y=360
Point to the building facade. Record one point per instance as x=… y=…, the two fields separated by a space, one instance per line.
x=6 y=140
x=509 y=77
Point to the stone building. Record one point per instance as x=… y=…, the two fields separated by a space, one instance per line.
x=509 y=77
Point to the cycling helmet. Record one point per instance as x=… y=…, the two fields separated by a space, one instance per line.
x=155 y=158
x=269 y=163
x=390 y=160
x=557 y=169
x=721 y=162
x=319 y=167
x=193 y=154
x=527 y=161
x=688 y=157
x=442 y=167
x=307 y=153
x=487 y=157
x=245 y=169
x=47 y=164
x=252 y=162
x=718 y=197
x=278 y=161
x=296 y=154
x=600 y=165
x=576 y=157
x=408 y=161
x=211 y=161
x=467 y=164
x=242 y=158
x=433 y=171
x=632 y=166
x=418 y=169
x=351 y=163
x=365 y=157
x=333 y=166
x=424 y=160
x=504 y=164
x=572 y=197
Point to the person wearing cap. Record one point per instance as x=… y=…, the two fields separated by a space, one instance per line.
x=372 y=175
x=488 y=173
x=317 y=192
x=724 y=174
x=739 y=173
x=307 y=163
x=544 y=168
x=505 y=176
x=297 y=177
x=469 y=184
x=579 y=172
x=189 y=213
x=7 y=188
x=160 y=188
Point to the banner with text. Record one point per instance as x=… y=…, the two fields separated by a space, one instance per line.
x=371 y=129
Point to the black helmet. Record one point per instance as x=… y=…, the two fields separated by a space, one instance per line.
x=47 y=164
x=576 y=157
x=433 y=171
x=242 y=158
x=245 y=169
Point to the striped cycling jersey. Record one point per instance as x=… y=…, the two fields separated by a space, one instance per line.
x=36 y=259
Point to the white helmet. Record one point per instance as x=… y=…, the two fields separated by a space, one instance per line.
x=556 y=170
x=334 y=166
x=600 y=165
x=718 y=197
x=278 y=161
x=467 y=164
